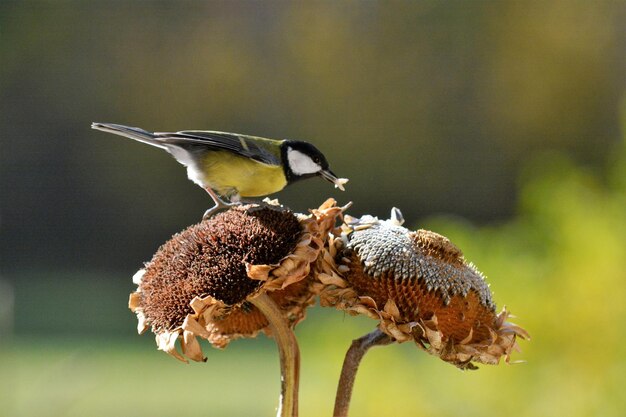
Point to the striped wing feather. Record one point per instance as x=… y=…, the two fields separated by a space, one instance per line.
x=260 y=149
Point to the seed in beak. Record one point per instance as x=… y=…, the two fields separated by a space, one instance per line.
x=329 y=176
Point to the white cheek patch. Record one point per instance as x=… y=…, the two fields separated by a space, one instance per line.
x=301 y=164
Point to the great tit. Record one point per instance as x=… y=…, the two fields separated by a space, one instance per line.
x=233 y=165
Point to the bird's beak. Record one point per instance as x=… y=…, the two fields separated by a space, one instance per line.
x=329 y=176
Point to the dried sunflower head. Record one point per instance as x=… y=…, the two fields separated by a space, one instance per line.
x=418 y=285
x=201 y=281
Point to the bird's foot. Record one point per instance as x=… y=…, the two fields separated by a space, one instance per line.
x=219 y=206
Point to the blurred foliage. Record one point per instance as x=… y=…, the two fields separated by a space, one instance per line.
x=558 y=265
x=494 y=123
x=428 y=105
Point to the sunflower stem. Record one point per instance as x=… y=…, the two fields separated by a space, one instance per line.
x=355 y=353
x=289 y=355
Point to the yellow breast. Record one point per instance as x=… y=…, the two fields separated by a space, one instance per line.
x=228 y=173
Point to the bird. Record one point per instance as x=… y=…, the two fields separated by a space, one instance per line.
x=229 y=166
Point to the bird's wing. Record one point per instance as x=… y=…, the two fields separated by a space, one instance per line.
x=248 y=146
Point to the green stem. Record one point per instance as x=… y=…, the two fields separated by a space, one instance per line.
x=289 y=355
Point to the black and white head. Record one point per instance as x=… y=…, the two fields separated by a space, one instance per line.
x=303 y=160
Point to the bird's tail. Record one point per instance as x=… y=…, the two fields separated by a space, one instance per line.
x=130 y=132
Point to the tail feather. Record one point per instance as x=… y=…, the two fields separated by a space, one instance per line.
x=130 y=132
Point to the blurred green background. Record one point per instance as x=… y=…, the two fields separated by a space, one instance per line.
x=500 y=124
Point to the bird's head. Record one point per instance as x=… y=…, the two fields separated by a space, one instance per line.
x=303 y=160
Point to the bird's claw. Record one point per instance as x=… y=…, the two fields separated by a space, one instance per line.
x=216 y=209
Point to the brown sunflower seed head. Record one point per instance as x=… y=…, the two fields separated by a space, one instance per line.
x=199 y=283
x=419 y=286
x=208 y=259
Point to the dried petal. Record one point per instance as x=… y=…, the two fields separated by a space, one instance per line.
x=134 y=301
x=138 y=276
x=166 y=342
x=142 y=323
x=191 y=348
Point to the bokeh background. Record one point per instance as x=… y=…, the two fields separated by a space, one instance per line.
x=500 y=124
